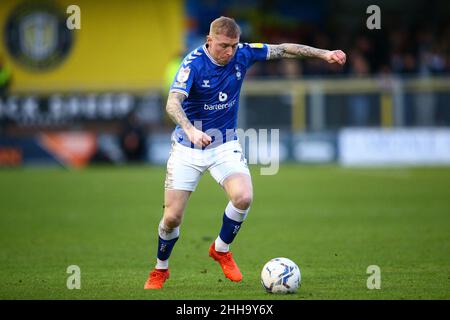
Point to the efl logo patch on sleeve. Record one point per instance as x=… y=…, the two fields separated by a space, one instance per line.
x=256 y=45
x=183 y=74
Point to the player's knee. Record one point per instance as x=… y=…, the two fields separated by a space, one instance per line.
x=243 y=200
x=172 y=221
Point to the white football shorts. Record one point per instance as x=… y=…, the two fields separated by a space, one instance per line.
x=186 y=165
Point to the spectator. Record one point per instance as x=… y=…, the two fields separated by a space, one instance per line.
x=359 y=104
x=132 y=139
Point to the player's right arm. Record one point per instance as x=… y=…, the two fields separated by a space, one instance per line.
x=175 y=110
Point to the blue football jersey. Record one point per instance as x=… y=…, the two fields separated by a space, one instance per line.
x=212 y=91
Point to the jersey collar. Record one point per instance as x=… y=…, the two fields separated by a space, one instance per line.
x=205 y=49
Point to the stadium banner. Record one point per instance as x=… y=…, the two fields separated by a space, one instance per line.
x=314 y=147
x=68 y=149
x=10 y=156
x=58 y=109
x=158 y=148
x=418 y=146
x=24 y=151
x=114 y=47
x=72 y=149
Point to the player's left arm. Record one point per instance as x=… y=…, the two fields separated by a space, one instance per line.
x=293 y=50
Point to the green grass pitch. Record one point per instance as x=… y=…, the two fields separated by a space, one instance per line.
x=333 y=222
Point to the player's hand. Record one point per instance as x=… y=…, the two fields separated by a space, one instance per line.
x=198 y=137
x=335 y=56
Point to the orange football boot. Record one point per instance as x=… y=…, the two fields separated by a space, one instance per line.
x=156 y=278
x=226 y=261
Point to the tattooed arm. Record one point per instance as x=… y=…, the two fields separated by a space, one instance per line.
x=293 y=50
x=177 y=114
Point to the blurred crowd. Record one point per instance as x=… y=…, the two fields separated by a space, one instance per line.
x=403 y=52
x=414 y=38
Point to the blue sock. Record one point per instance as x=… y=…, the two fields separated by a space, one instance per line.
x=229 y=229
x=165 y=248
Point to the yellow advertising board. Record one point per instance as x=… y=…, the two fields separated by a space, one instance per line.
x=120 y=45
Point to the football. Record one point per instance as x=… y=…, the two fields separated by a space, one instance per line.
x=280 y=275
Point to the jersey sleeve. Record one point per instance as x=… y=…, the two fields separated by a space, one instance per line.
x=253 y=52
x=183 y=81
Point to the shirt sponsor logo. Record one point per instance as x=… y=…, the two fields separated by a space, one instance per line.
x=219 y=106
x=222 y=96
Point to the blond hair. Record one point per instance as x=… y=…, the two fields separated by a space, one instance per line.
x=225 y=26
